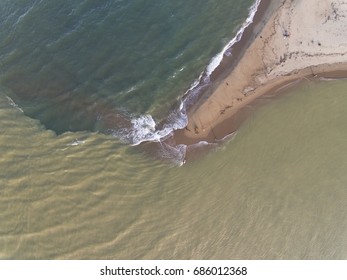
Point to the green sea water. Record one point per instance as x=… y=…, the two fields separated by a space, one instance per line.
x=76 y=65
x=277 y=190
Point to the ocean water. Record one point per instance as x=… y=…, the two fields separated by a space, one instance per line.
x=74 y=74
x=111 y=66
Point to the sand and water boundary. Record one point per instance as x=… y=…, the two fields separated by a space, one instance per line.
x=289 y=40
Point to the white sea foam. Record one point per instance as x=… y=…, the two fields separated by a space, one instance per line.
x=204 y=78
x=201 y=144
x=76 y=143
x=175 y=154
x=22 y=16
x=144 y=128
x=216 y=60
x=228 y=137
x=13 y=104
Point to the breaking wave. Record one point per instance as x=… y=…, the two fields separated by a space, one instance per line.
x=144 y=128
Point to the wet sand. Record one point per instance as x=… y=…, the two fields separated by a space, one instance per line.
x=289 y=40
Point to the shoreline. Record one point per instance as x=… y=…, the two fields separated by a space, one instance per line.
x=229 y=62
x=284 y=44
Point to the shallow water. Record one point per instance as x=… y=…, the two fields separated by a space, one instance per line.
x=277 y=190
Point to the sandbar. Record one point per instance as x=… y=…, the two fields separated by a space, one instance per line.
x=289 y=40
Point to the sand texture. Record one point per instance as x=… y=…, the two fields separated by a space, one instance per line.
x=299 y=39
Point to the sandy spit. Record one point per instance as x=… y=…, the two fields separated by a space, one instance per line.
x=294 y=39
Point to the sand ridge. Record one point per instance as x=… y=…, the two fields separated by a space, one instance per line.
x=302 y=38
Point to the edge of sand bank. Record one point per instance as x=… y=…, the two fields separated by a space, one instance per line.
x=285 y=43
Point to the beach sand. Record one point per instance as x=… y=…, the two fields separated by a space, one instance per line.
x=289 y=40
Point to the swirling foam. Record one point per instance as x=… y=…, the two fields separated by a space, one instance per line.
x=144 y=128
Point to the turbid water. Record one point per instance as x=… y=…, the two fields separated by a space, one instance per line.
x=276 y=190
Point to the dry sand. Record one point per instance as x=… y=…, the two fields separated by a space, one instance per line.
x=294 y=40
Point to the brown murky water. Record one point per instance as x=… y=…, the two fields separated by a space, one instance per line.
x=278 y=190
